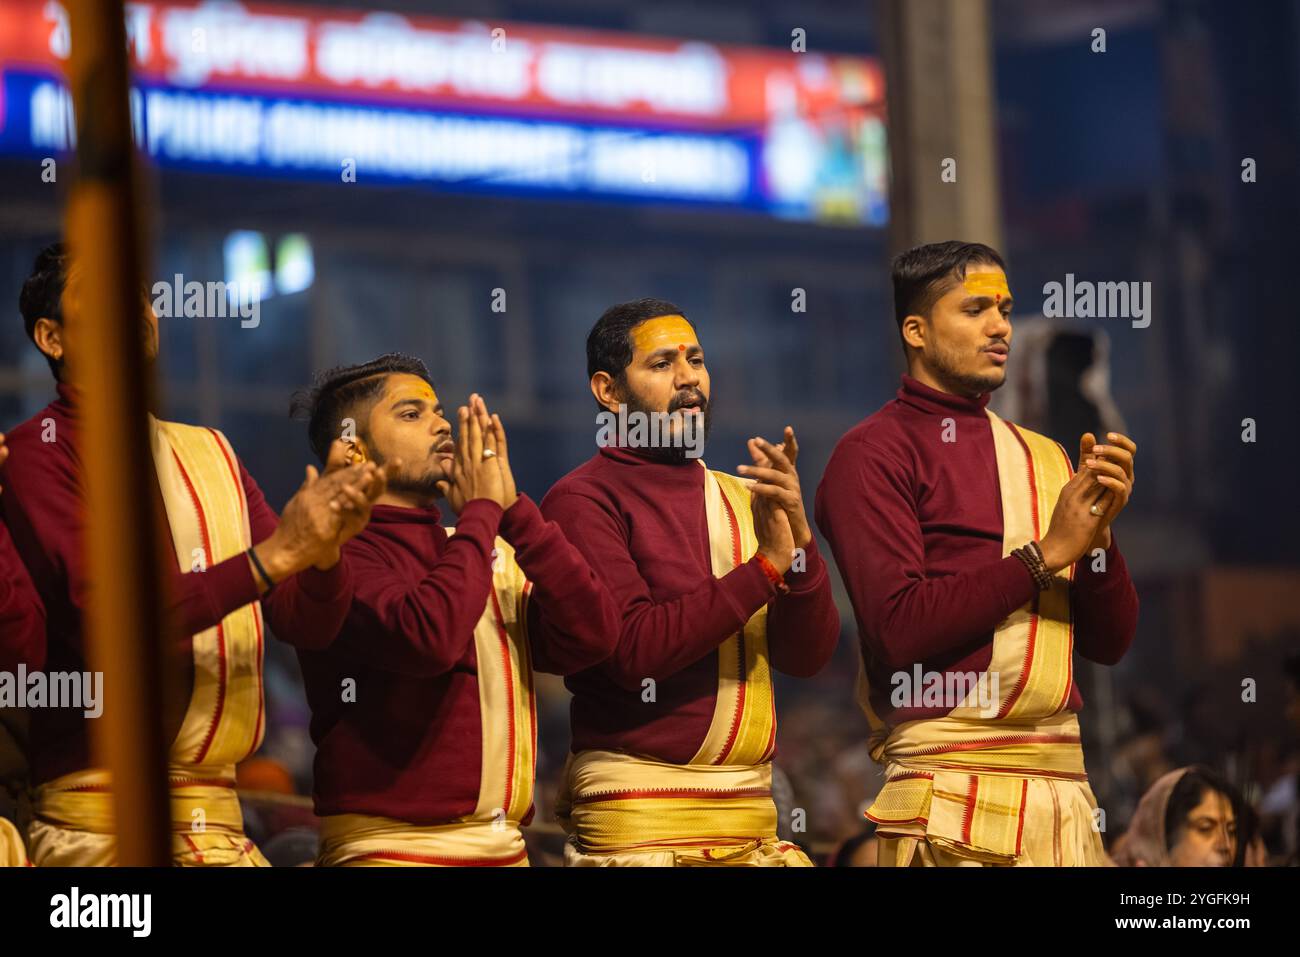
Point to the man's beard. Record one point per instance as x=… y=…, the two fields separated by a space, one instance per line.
x=963 y=383
x=671 y=454
x=423 y=484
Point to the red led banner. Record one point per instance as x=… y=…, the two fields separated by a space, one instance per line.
x=468 y=64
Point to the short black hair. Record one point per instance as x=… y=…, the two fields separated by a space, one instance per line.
x=609 y=344
x=921 y=274
x=1189 y=792
x=41 y=296
x=340 y=393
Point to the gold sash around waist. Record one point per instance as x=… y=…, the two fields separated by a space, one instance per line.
x=614 y=802
x=200 y=802
x=363 y=840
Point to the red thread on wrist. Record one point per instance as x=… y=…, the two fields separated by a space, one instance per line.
x=770 y=570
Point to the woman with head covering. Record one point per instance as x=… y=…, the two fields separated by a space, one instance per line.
x=1188 y=818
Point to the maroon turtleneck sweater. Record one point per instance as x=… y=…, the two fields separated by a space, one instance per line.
x=642 y=523
x=410 y=745
x=915 y=525
x=43 y=507
x=22 y=616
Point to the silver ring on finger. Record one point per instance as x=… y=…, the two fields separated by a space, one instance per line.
x=1097 y=510
x=488 y=454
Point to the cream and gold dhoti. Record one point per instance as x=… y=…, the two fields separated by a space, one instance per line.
x=959 y=792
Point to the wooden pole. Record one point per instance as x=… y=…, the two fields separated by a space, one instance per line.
x=942 y=116
x=108 y=365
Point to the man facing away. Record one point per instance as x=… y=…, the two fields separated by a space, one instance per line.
x=229 y=550
x=718 y=581
x=977 y=561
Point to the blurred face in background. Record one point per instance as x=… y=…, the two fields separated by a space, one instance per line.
x=1208 y=835
x=965 y=342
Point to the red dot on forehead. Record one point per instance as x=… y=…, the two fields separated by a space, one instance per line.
x=681 y=347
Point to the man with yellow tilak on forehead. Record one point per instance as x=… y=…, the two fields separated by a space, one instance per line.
x=718 y=580
x=977 y=561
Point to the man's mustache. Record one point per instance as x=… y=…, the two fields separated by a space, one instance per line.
x=682 y=399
